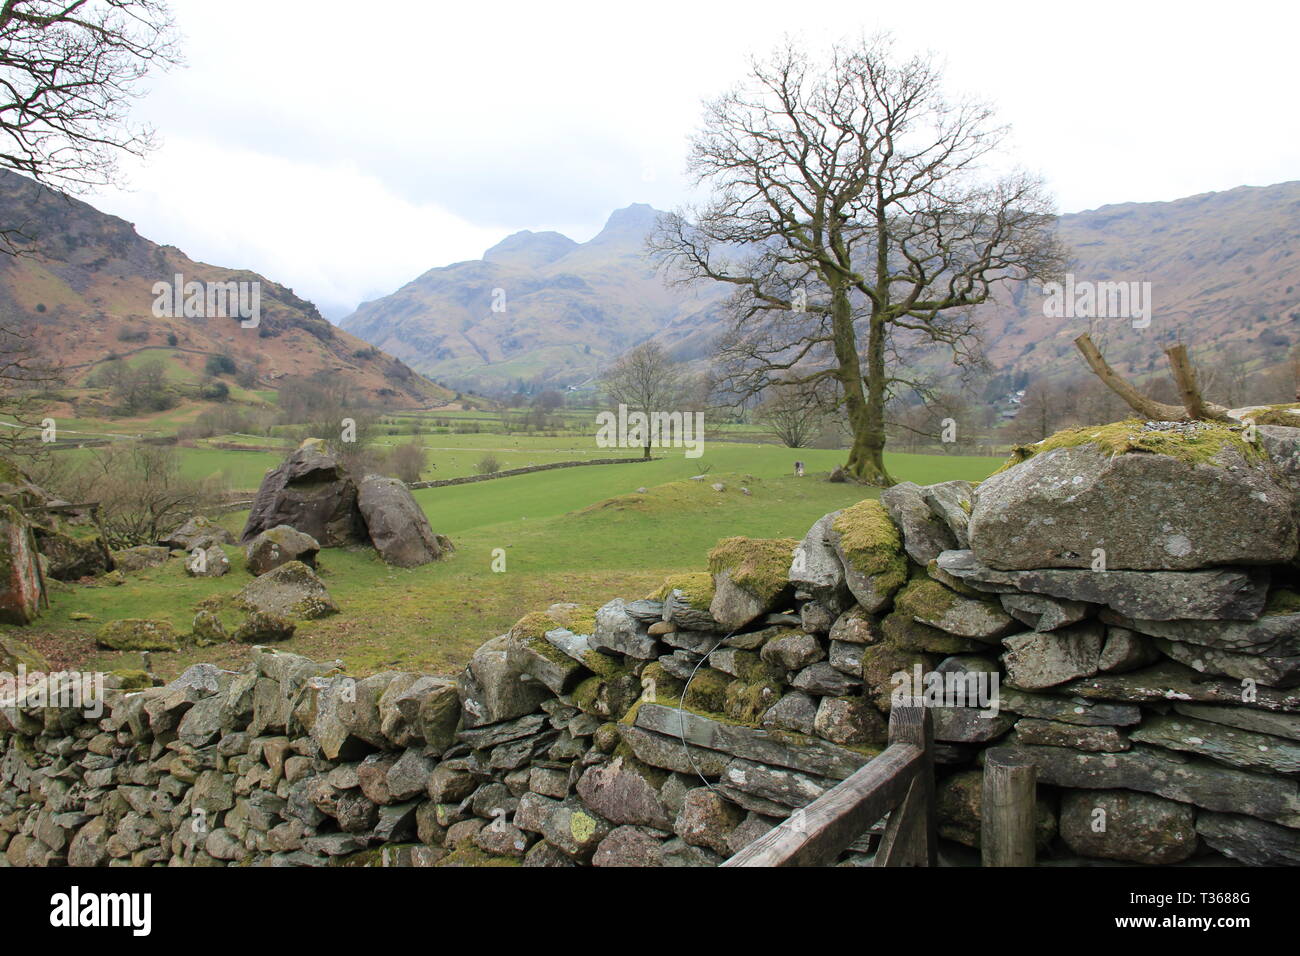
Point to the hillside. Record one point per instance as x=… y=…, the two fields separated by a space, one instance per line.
x=568 y=307
x=84 y=287
x=1222 y=267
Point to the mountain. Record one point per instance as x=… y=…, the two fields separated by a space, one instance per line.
x=537 y=307
x=1223 y=269
x=84 y=286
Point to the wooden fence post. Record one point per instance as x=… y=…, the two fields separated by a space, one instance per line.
x=1008 y=808
x=910 y=835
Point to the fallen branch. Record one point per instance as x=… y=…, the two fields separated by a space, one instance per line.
x=1148 y=408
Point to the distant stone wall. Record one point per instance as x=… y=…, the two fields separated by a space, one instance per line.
x=1140 y=646
x=528 y=470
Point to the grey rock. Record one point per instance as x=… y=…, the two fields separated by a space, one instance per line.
x=925 y=535
x=292 y=590
x=630 y=846
x=279 y=545
x=1148 y=512
x=1125 y=650
x=1122 y=825
x=1259 y=721
x=1169 y=681
x=1228 y=745
x=795 y=711
x=621 y=792
x=825 y=681
x=1249 y=841
x=1032 y=731
x=312 y=493
x=1272 y=671
x=808 y=754
x=397 y=525
x=492 y=690
x=1173 y=776
x=1037 y=660
x=792 y=652
x=816 y=568
x=619 y=632
x=1043 y=613
x=952 y=502
x=1219 y=594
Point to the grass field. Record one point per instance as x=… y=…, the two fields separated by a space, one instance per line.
x=576 y=534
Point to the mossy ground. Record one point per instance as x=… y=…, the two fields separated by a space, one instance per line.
x=1127 y=437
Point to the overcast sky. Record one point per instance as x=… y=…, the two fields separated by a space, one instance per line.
x=343 y=149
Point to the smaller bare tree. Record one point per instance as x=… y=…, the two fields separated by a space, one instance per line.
x=795 y=413
x=646 y=380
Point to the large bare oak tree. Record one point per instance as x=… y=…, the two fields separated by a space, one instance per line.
x=850 y=210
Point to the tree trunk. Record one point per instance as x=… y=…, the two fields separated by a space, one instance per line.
x=866 y=410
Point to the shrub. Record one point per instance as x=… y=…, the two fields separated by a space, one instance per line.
x=488 y=465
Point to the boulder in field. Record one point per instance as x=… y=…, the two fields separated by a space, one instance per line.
x=292 y=590
x=397 y=525
x=72 y=553
x=1146 y=496
x=279 y=545
x=208 y=562
x=140 y=557
x=311 y=492
x=136 y=634
x=197 y=532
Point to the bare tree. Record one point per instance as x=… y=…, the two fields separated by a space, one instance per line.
x=646 y=380
x=847 y=211
x=795 y=414
x=69 y=70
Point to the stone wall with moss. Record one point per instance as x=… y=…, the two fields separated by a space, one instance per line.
x=1157 y=696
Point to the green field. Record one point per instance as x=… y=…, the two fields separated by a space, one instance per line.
x=575 y=534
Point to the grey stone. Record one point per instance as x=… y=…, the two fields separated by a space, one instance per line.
x=1051 y=733
x=1173 y=776
x=396 y=524
x=279 y=545
x=925 y=535
x=825 y=681
x=1249 y=841
x=1043 y=613
x=795 y=711
x=1261 y=722
x=1227 y=745
x=1122 y=825
x=1148 y=512
x=1219 y=594
x=1037 y=660
x=620 y=633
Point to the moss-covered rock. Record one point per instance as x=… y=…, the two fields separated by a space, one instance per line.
x=750 y=578
x=926 y=601
x=1138 y=496
x=138 y=634
x=292 y=590
x=870 y=547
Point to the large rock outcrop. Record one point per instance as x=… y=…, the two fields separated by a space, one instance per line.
x=310 y=492
x=396 y=524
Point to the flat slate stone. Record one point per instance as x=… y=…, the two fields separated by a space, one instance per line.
x=1276 y=635
x=1228 y=745
x=1216 y=594
x=1272 y=671
x=1260 y=721
x=1171 y=681
x=1248 y=840
x=777 y=784
x=1173 y=776
x=1069 y=710
x=770 y=747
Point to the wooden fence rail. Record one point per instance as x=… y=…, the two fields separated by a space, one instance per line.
x=899 y=782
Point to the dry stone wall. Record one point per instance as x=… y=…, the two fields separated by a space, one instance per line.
x=1155 y=690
